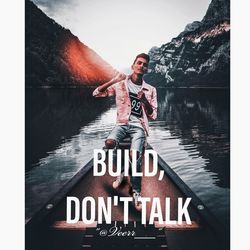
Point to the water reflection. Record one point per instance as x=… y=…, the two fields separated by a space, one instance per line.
x=200 y=118
x=55 y=115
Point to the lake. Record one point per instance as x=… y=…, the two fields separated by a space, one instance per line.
x=191 y=133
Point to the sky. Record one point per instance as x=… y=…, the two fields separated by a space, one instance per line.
x=118 y=30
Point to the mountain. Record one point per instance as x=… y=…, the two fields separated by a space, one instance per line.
x=198 y=56
x=54 y=56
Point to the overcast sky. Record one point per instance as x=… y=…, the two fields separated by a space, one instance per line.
x=120 y=29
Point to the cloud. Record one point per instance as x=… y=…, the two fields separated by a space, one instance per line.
x=52 y=6
x=118 y=30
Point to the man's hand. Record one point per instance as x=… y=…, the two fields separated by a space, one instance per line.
x=119 y=77
x=142 y=97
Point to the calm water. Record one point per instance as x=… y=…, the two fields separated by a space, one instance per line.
x=63 y=126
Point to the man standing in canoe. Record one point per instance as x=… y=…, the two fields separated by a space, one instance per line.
x=136 y=101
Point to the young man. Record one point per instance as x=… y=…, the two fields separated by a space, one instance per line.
x=136 y=101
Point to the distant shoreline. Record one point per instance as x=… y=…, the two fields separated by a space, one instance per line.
x=92 y=87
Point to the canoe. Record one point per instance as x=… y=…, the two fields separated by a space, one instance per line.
x=48 y=228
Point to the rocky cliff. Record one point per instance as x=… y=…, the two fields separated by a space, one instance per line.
x=54 y=56
x=198 y=56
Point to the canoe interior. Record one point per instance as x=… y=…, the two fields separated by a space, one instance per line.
x=49 y=230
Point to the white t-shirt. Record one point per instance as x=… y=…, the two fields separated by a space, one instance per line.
x=136 y=105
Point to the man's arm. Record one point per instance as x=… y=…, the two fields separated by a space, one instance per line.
x=150 y=108
x=100 y=91
x=119 y=77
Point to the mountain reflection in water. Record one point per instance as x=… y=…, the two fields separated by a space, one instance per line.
x=200 y=118
x=55 y=115
x=191 y=133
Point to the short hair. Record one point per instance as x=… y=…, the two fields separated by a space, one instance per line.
x=143 y=55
